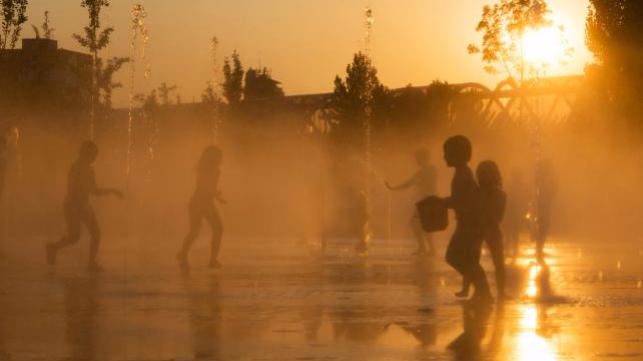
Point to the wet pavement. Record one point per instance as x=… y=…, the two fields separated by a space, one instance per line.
x=281 y=301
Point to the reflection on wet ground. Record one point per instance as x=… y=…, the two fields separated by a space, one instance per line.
x=280 y=302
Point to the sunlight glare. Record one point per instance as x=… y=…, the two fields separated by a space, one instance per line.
x=543 y=46
x=530 y=345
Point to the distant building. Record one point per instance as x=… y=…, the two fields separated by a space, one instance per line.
x=41 y=77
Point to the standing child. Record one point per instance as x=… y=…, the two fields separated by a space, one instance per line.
x=464 y=246
x=424 y=182
x=492 y=208
x=202 y=206
x=81 y=183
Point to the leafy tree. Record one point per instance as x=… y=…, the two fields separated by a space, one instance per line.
x=503 y=26
x=614 y=35
x=94 y=40
x=439 y=95
x=259 y=84
x=14 y=14
x=148 y=103
x=353 y=97
x=233 y=80
x=165 y=91
x=105 y=75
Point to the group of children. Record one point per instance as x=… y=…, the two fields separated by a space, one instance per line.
x=81 y=184
x=479 y=207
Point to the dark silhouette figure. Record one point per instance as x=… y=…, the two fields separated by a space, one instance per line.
x=464 y=247
x=81 y=183
x=517 y=208
x=545 y=193
x=424 y=181
x=202 y=206
x=492 y=208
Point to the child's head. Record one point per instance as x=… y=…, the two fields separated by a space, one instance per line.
x=457 y=151
x=211 y=157
x=489 y=175
x=422 y=156
x=88 y=151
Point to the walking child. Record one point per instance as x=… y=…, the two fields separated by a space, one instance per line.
x=202 y=206
x=492 y=208
x=464 y=246
x=81 y=183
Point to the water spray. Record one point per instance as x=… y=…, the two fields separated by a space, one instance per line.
x=138 y=32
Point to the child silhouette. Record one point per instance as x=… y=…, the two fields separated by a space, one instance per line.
x=81 y=183
x=202 y=206
x=464 y=246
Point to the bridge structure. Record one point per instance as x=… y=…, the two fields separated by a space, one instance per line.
x=549 y=99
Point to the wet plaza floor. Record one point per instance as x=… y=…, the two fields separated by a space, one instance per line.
x=280 y=301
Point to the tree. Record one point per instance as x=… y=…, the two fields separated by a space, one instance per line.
x=94 y=40
x=164 y=91
x=233 y=80
x=353 y=97
x=259 y=85
x=614 y=35
x=14 y=14
x=503 y=26
x=104 y=77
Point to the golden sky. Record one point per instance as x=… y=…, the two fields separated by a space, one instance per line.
x=305 y=43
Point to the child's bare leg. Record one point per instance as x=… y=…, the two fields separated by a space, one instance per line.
x=94 y=232
x=364 y=234
x=73 y=235
x=464 y=292
x=419 y=234
x=52 y=248
x=195 y=225
x=498 y=256
x=216 y=224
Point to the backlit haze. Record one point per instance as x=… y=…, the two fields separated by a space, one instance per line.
x=305 y=43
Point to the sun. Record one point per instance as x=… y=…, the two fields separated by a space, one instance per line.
x=544 y=47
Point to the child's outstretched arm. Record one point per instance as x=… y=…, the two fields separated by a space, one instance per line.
x=407 y=184
x=107 y=191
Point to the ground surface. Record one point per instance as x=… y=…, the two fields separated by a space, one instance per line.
x=280 y=302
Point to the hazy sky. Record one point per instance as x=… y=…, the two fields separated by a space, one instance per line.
x=305 y=43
